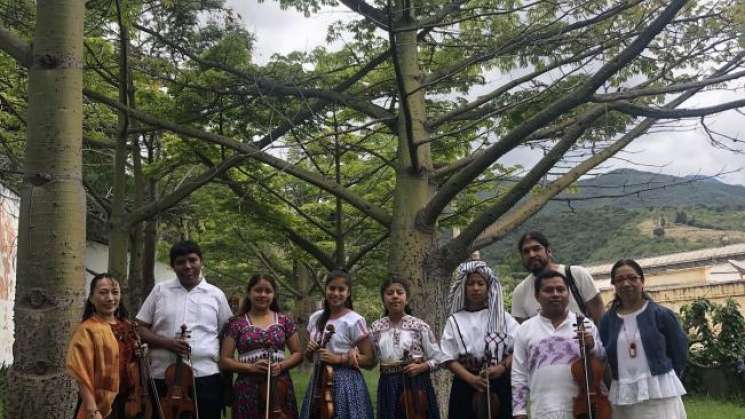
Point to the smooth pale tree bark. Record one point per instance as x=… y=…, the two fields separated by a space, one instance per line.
x=119 y=240
x=51 y=241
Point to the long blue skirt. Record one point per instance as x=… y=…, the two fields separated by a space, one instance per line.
x=351 y=399
x=390 y=388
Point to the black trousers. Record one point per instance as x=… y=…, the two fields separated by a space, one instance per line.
x=209 y=396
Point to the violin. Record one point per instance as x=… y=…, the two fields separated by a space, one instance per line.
x=180 y=381
x=587 y=372
x=413 y=398
x=139 y=404
x=322 y=392
x=274 y=393
x=485 y=405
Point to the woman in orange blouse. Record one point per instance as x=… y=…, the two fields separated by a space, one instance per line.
x=101 y=355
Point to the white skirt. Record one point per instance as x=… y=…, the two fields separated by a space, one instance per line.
x=667 y=408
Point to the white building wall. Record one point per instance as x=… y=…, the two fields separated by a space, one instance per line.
x=9 y=210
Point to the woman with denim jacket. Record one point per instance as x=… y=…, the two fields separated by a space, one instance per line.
x=646 y=347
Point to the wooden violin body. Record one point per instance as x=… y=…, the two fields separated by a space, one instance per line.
x=139 y=403
x=587 y=372
x=276 y=391
x=413 y=398
x=322 y=396
x=180 y=381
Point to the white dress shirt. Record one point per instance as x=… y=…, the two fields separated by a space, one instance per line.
x=203 y=309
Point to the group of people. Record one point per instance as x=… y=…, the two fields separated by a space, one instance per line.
x=519 y=364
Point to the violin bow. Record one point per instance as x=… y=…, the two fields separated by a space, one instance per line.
x=583 y=353
x=144 y=355
x=268 y=381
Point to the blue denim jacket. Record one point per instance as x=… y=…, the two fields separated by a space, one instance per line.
x=664 y=342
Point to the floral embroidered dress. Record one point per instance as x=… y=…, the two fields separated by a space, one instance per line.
x=254 y=343
x=541 y=366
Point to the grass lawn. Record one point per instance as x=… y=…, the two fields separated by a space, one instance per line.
x=700 y=407
x=697 y=407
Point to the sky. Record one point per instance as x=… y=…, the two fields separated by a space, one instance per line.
x=685 y=150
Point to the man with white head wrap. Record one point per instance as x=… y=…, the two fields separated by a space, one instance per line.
x=478 y=334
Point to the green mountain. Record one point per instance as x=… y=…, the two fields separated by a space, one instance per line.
x=630 y=213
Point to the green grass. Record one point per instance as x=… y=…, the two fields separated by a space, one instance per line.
x=701 y=407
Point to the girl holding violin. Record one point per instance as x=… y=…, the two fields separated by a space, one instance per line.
x=337 y=378
x=408 y=352
x=647 y=350
x=477 y=345
x=260 y=333
x=101 y=356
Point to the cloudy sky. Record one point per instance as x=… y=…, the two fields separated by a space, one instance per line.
x=683 y=151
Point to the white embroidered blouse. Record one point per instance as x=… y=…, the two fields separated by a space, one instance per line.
x=350 y=329
x=410 y=334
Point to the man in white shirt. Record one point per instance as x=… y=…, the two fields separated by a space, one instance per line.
x=536 y=254
x=545 y=347
x=188 y=300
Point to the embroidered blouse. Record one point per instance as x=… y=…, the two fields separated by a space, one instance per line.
x=350 y=328
x=410 y=334
x=463 y=337
x=254 y=342
x=541 y=366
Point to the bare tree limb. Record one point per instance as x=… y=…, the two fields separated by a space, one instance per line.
x=427 y=216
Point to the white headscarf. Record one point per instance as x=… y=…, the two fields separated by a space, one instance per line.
x=496 y=338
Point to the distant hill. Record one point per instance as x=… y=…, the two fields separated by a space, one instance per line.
x=688 y=213
x=654 y=190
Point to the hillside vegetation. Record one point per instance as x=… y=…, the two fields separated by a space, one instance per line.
x=680 y=214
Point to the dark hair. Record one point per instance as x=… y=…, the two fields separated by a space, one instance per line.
x=324 y=317
x=255 y=278
x=545 y=274
x=89 y=309
x=387 y=283
x=616 y=302
x=183 y=248
x=533 y=235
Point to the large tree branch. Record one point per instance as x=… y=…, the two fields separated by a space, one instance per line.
x=674 y=88
x=533 y=204
x=364 y=251
x=249 y=150
x=263 y=86
x=185 y=189
x=372 y=14
x=456 y=249
x=658 y=113
x=14 y=46
x=261 y=211
x=524 y=39
x=428 y=215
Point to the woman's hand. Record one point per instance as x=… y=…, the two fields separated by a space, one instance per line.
x=478 y=382
x=496 y=371
x=259 y=367
x=312 y=346
x=277 y=369
x=416 y=368
x=94 y=414
x=328 y=357
x=589 y=340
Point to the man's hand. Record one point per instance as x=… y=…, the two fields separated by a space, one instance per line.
x=179 y=346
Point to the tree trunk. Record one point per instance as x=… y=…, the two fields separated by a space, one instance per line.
x=150 y=243
x=413 y=247
x=304 y=306
x=51 y=240
x=119 y=239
